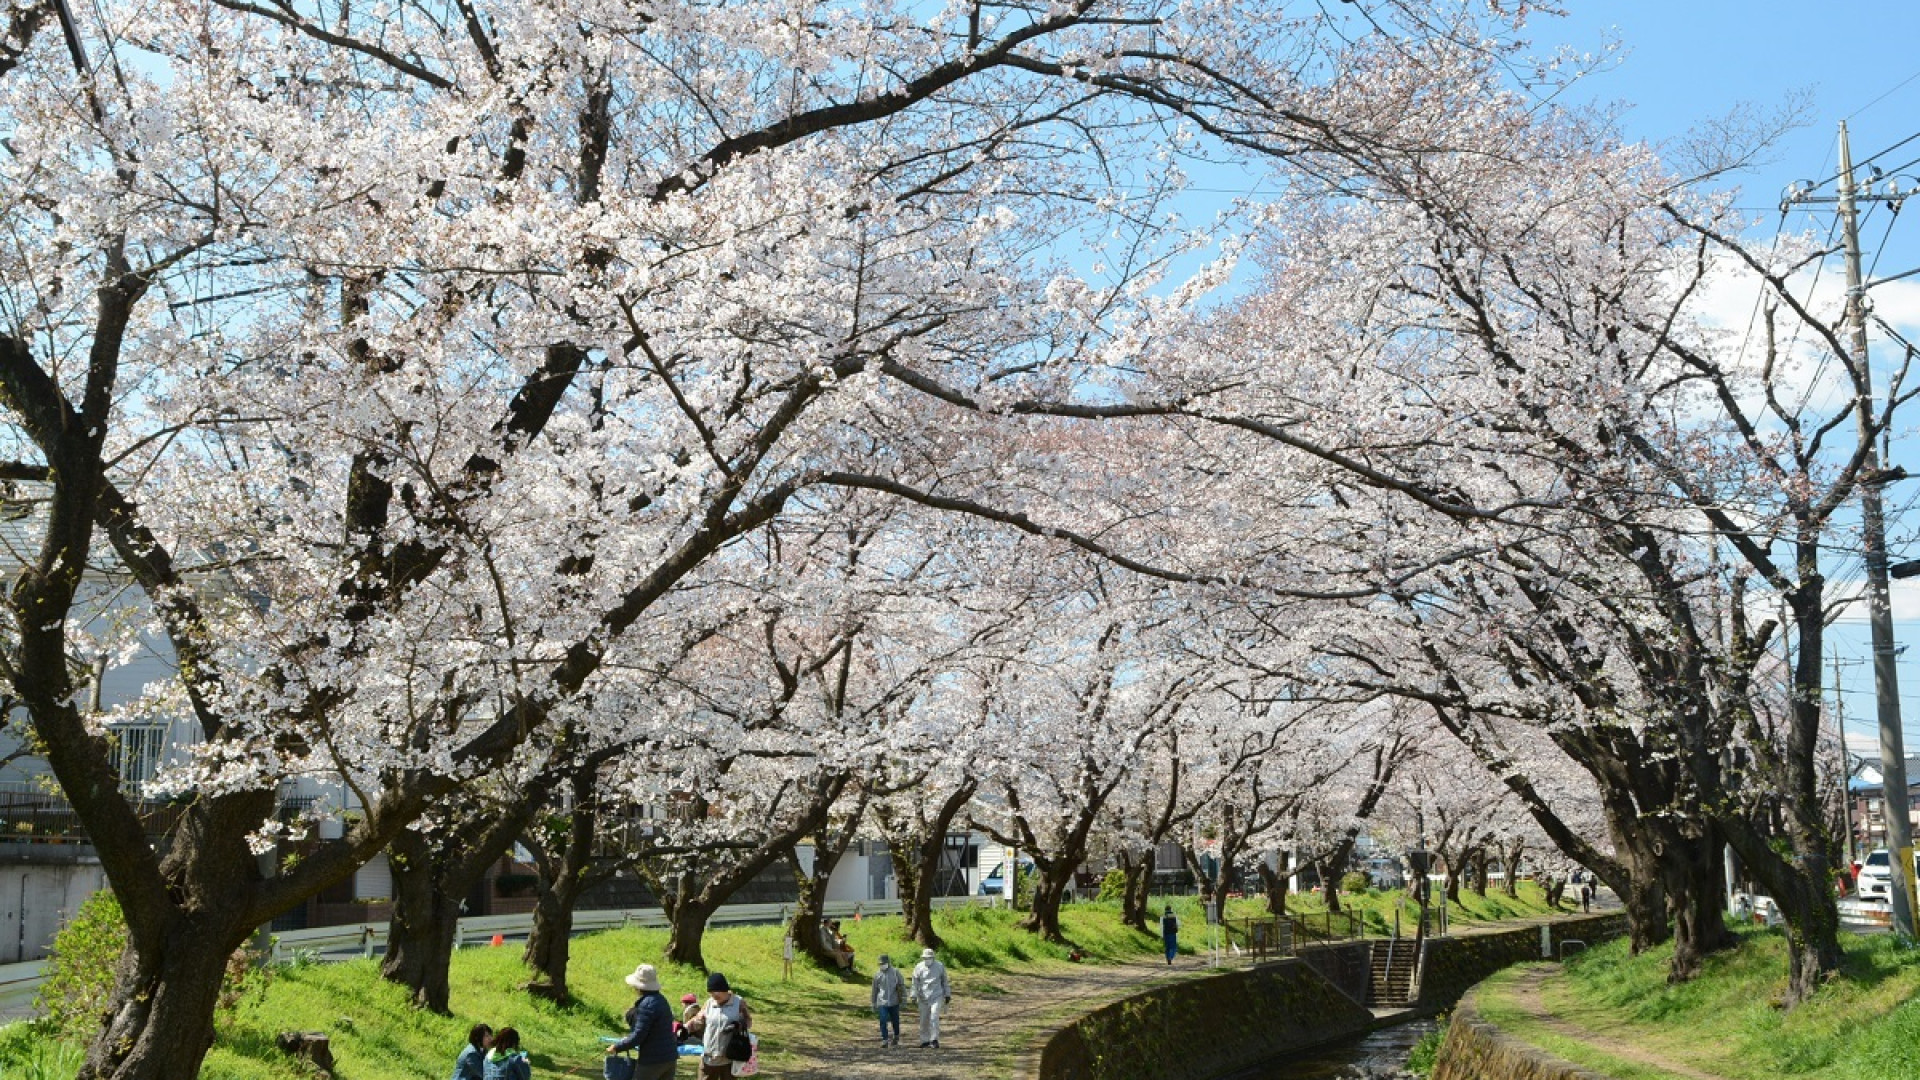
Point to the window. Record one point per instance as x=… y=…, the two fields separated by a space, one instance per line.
x=137 y=751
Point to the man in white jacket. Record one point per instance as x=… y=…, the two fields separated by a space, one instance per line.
x=931 y=991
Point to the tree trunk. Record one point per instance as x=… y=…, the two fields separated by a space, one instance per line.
x=916 y=903
x=159 y=1021
x=1329 y=887
x=420 y=940
x=828 y=850
x=1138 y=869
x=806 y=924
x=550 y=942
x=1275 y=882
x=1511 y=858
x=1694 y=881
x=1049 y=887
x=687 y=919
x=432 y=876
x=1646 y=908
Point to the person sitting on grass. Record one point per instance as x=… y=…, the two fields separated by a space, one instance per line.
x=506 y=1061
x=472 y=1062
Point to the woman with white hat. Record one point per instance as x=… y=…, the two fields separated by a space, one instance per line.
x=651 y=1021
x=930 y=989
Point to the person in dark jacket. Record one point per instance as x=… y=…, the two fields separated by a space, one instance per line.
x=651 y=1024
x=472 y=1062
x=506 y=1061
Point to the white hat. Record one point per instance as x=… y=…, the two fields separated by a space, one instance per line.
x=644 y=977
x=926 y=954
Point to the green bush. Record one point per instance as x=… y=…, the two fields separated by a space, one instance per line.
x=1113 y=886
x=1421 y=1058
x=1355 y=882
x=79 y=973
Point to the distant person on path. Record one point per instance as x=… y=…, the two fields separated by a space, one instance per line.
x=931 y=991
x=506 y=1061
x=472 y=1062
x=1170 y=934
x=650 y=1024
x=888 y=989
x=725 y=1012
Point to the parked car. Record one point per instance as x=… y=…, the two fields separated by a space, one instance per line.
x=1875 y=880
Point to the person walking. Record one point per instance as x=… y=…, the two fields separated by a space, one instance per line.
x=506 y=1061
x=888 y=987
x=726 y=1011
x=650 y=1024
x=931 y=991
x=472 y=1062
x=1170 y=934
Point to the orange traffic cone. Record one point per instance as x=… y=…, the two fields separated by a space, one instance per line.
x=499 y=939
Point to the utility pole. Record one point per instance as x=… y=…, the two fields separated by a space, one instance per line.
x=1873 y=528
x=1846 y=769
x=1886 y=683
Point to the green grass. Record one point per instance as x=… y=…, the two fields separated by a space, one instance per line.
x=376 y=1035
x=1865 y=1025
x=1376 y=907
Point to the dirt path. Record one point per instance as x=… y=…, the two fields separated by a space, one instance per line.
x=986 y=1030
x=1615 y=1040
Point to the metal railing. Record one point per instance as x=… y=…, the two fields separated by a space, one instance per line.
x=1259 y=939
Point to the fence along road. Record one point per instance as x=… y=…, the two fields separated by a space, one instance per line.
x=19 y=983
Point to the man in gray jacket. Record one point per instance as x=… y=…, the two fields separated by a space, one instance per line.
x=931 y=991
x=888 y=987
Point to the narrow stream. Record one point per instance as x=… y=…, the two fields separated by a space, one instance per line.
x=1377 y=1055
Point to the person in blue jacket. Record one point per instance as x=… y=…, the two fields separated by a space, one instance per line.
x=651 y=1024
x=506 y=1061
x=472 y=1062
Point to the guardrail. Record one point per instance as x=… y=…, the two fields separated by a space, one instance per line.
x=20 y=982
x=370 y=938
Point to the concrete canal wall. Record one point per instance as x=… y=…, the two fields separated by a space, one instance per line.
x=1205 y=1028
x=1231 y=1022
x=1452 y=966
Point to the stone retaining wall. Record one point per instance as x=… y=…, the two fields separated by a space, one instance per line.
x=1348 y=965
x=1476 y=1050
x=1453 y=965
x=1205 y=1028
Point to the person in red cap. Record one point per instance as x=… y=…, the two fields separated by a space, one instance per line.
x=691 y=1024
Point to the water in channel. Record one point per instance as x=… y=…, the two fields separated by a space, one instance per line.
x=1377 y=1055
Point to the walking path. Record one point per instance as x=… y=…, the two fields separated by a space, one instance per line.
x=995 y=1018
x=1616 y=1040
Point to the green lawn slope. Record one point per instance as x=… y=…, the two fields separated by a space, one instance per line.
x=376 y=1035
x=1863 y=1026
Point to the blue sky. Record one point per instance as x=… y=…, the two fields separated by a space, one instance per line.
x=1688 y=60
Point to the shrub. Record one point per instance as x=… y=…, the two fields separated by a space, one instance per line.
x=79 y=973
x=1113 y=886
x=1353 y=881
x=85 y=959
x=1420 y=1059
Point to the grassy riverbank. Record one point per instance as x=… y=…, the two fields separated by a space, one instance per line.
x=1865 y=1026
x=376 y=1035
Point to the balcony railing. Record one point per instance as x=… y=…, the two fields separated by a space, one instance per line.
x=36 y=817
